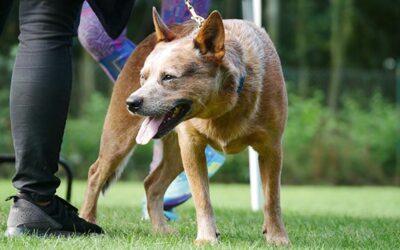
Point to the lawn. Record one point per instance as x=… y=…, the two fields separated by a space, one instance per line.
x=316 y=218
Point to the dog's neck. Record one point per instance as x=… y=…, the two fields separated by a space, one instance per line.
x=238 y=98
x=235 y=66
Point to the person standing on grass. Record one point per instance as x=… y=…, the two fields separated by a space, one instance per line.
x=112 y=55
x=39 y=100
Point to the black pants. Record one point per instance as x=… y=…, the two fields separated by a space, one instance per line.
x=40 y=91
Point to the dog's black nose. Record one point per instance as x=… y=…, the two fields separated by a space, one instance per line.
x=134 y=103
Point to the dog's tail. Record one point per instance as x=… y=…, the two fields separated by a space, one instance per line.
x=117 y=174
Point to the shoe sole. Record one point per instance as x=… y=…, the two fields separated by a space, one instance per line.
x=24 y=231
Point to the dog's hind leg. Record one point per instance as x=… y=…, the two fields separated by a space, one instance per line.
x=115 y=150
x=159 y=179
x=119 y=131
x=270 y=160
x=117 y=141
x=100 y=175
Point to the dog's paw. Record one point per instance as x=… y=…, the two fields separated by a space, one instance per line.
x=277 y=239
x=88 y=218
x=205 y=242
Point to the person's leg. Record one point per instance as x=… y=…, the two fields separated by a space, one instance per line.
x=39 y=99
x=109 y=53
x=39 y=96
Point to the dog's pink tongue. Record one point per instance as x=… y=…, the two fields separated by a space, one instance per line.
x=148 y=129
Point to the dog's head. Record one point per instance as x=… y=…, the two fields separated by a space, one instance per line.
x=180 y=77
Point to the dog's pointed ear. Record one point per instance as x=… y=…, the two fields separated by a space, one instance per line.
x=163 y=33
x=211 y=36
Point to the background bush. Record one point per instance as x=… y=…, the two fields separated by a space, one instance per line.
x=356 y=146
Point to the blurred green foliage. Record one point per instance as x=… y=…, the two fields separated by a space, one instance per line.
x=357 y=146
x=5 y=126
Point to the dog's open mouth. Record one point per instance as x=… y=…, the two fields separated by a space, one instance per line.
x=156 y=127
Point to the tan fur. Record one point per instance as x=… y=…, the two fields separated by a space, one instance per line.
x=230 y=122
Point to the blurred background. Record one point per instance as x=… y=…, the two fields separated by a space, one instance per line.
x=339 y=59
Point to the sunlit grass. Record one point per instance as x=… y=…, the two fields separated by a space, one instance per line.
x=316 y=218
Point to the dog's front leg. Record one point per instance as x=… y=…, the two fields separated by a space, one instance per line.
x=192 y=147
x=159 y=179
x=270 y=160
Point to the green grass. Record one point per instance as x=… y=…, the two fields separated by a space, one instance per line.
x=316 y=218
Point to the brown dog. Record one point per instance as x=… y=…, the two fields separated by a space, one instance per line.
x=221 y=85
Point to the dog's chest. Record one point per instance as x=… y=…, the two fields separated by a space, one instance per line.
x=233 y=147
x=228 y=138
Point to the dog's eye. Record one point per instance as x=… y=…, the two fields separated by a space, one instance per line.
x=168 y=77
x=142 y=79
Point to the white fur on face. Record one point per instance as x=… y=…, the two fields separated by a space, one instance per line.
x=162 y=60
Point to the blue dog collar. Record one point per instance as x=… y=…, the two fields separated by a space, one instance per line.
x=241 y=83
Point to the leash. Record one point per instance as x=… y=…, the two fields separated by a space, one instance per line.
x=199 y=19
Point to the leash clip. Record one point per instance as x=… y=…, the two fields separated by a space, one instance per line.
x=199 y=19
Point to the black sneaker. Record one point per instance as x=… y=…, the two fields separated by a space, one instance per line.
x=59 y=218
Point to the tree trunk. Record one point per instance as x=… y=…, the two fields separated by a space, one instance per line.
x=340 y=32
x=303 y=8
